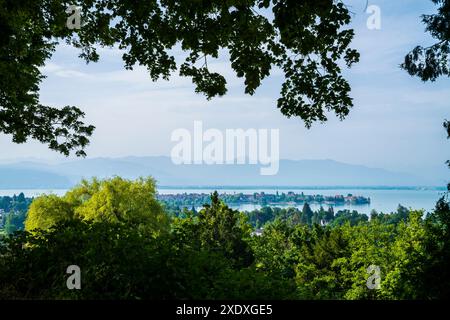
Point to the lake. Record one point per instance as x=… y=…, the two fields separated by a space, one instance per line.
x=382 y=200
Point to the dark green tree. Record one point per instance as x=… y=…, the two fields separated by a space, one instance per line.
x=15 y=221
x=318 y=273
x=296 y=218
x=316 y=218
x=223 y=230
x=273 y=250
x=346 y=216
x=329 y=215
x=307 y=214
x=27 y=40
x=436 y=274
x=430 y=63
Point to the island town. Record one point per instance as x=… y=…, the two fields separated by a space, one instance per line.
x=263 y=199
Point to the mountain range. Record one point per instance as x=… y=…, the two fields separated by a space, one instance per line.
x=65 y=174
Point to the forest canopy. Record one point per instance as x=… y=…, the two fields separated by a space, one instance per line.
x=130 y=250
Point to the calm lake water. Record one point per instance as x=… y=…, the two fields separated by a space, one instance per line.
x=382 y=200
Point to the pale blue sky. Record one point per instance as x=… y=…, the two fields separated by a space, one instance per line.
x=396 y=122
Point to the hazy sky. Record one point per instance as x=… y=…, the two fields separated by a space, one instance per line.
x=396 y=122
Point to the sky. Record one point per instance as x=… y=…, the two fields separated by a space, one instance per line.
x=396 y=122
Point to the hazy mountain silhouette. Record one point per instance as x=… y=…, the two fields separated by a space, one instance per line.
x=13 y=177
x=291 y=173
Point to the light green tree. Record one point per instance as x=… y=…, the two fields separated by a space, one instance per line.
x=46 y=210
x=113 y=200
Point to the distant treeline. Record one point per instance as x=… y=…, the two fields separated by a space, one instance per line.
x=15 y=203
x=13 y=209
x=294 y=216
x=13 y=212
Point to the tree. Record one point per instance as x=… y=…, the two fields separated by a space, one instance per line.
x=316 y=219
x=436 y=274
x=45 y=211
x=274 y=252
x=370 y=244
x=403 y=277
x=15 y=221
x=223 y=230
x=318 y=270
x=294 y=215
x=119 y=262
x=305 y=39
x=113 y=200
x=116 y=262
x=329 y=216
x=402 y=214
x=307 y=214
x=430 y=63
x=320 y=216
x=27 y=40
